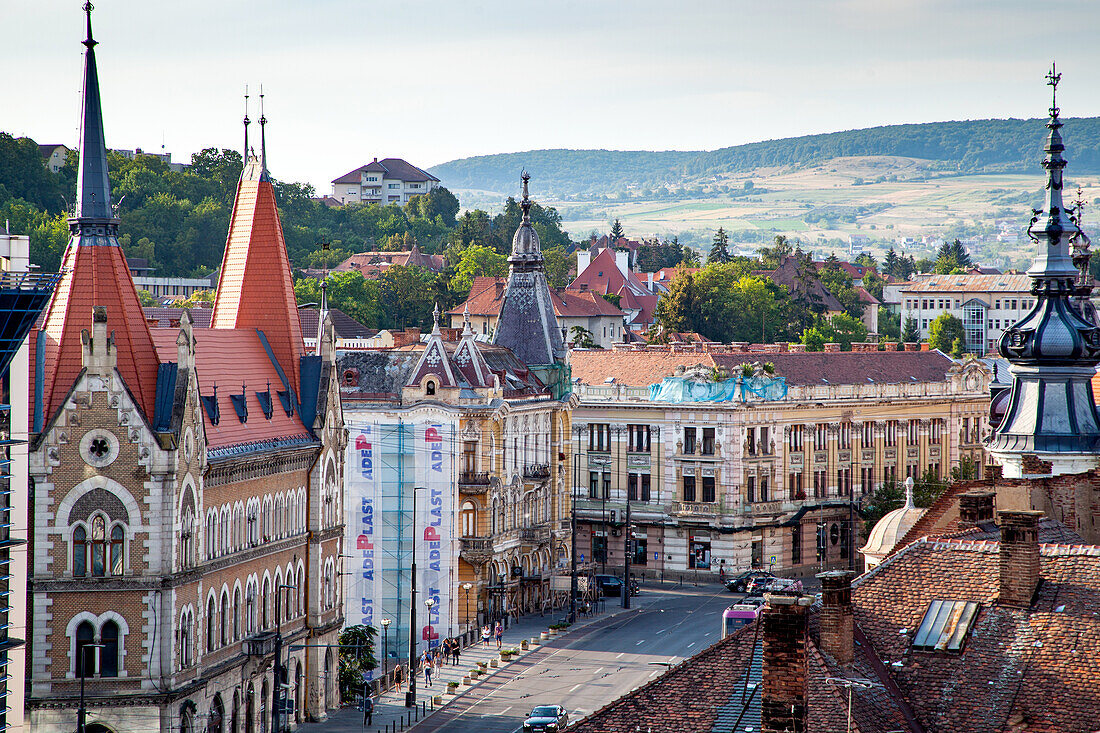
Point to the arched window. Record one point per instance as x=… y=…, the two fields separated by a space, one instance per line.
x=469 y=519
x=118 y=545
x=265 y=604
x=185 y=639
x=108 y=653
x=235 y=716
x=84 y=663
x=429 y=388
x=236 y=614
x=80 y=551
x=210 y=625
x=216 y=720
x=99 y=546
x=224 y=619
x=250 y=609
x=263 y=707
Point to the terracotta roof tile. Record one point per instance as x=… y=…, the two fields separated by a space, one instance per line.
x=632 y=368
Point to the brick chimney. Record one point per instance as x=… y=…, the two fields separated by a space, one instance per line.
x=837 y=622
x=1019 y=566
x=912 y=346
x=975 y=507
x=784 y=685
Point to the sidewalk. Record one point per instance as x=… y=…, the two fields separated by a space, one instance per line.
x=390 y=713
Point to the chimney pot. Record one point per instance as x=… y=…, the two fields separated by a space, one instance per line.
x=832 y=347
x=1019 y=557
x=975 y=507
x=837 y=622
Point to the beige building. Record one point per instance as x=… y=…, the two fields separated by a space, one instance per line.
x=757 y=472
x=386 y=181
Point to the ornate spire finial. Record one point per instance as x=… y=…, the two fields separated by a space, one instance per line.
x=466 y=329
x=525 y=204
x=1053 y=77
x=435 y=318
x=247 y=122
x=263 y=138
x=88 y=40
x=909 y=503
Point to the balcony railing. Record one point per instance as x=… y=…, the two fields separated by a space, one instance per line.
x=695 y=508
x=534 y=535
x=473 y=478
x=537 y=471
x=476 y=549
x=260 y=644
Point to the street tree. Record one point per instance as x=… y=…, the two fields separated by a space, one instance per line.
x=943 y=331
x=719 y=252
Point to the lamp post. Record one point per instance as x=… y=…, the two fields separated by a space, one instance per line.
x=82 y=711
x=466 y=587
x=410 y=696
x=385 y=648
x=280 y=671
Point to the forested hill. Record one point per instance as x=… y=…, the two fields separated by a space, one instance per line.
x=971 y=146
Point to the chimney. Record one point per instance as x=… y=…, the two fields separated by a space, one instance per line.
x=584 y=257
x=837 y=622
x=1019 y=566
x=622 y=259
x=784 y=688
x=975 y=507
x=912 y=346
x=832 y=347
x=797 y=348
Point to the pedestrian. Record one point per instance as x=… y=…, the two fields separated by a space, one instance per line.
x=456 y=647
x=485 y=634
x=428 y=668
x=499 y=634
x=445 y=649
x=368 y=710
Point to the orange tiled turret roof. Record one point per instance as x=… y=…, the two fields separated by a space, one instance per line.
x=256 y=287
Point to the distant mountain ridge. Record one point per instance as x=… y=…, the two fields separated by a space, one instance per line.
x=967 y=146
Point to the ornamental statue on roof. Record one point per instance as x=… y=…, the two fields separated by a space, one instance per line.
x=1050 y=412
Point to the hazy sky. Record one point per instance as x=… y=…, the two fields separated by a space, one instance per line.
x=434 y=80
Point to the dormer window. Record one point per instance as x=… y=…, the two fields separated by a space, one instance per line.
x=429 y=388
x=945 y=625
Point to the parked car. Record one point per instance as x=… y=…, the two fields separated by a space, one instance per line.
x=759 y=583
x=546 y=718
x=740 y=583
x=779 y=585
x=611 y=586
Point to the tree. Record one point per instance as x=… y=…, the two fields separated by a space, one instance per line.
x=616 y=232
x=691 y=257
x=844 y=330
x=560 y=265
x=873 y=283
x=477 y=261
x=889 y=324
x=772 y=257
x=951 y=257
x=581 y=338
x=356 y=657
x=147 y=299
x=408 y=295
x=676 y=309
x=439 y=202
x=197 y=299
x=866 y=259
x=813 y=339
x=890 y=495
x=943 y=331
x=910 y=332
x=719 y=253
x=890 y=263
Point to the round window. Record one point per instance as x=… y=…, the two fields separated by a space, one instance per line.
x=99 y=448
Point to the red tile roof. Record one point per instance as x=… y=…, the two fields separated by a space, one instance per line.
x=256 y=286
x=487 y=295
x=391 y=168
x=96 y=275
x=230 y=358
x=632 y=368
x=603 y=276
x=372 y=263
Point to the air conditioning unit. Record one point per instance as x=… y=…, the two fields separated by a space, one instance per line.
x=616 y=532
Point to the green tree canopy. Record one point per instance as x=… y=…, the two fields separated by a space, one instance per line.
x=477 y=261
x=943 y=331
x=719 y=252
x=910 y=332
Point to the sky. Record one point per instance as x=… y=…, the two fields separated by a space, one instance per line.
x=434 y=80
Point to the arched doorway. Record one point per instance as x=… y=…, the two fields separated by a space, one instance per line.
x=299 y=697
x=263 y=707
x=235 y=717
x=329 y=677
x=97 y=728
x=250 y=710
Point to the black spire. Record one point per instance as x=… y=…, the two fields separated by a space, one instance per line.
x=247 y=122
x=93 y=188
x=526 y=249
x=263 y=137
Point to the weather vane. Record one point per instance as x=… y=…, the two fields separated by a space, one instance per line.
x=1052 y=80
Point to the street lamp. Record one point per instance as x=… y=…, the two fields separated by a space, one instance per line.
x=385 y=648
x=466 y=587
x=281 y=677
x=410 y=696
x=82 y=712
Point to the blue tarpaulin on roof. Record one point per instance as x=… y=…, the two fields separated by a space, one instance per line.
x=678 y=389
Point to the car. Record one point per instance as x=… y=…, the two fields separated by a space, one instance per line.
x=759 y=583
x=783 y=585
x=611 y=586
x=740 y=583
x=546 y=718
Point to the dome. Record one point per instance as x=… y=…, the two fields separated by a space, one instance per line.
x=526 y=240
x=889 y=530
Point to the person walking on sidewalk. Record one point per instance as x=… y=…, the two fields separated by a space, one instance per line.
x=485 y=634
x=368 y=710
x=456 y=647
x=499 y=634
x=427 y=668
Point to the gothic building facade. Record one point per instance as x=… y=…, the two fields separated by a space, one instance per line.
x=186 y=486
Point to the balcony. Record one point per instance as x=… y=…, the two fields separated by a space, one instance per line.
x=473 y=482
x=476 y=550
x=534 y=535
x=694 y=508
x=260 y=644
x=537 y=471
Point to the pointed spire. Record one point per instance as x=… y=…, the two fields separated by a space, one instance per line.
x=263 y=136
x=93 y=188
x=466 y=329
x=526 y=249
x=324 y=296
x=435 y=318
x=1053 y=234
x=525 y=204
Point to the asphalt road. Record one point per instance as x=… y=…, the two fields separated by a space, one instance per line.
x=588 y=669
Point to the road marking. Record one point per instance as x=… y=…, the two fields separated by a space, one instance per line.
x=661 y=631
x=502 y=712
x=620 y=656
x=598 y=670
x=574 y=687
x=639 y=641
x=691 y=645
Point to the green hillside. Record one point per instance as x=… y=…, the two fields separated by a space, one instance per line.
x=963 y=147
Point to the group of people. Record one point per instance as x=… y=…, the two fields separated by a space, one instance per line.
x=433 y=659
x=487 y=633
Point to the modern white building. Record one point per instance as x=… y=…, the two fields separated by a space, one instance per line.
x=386 y=181
x=986 y=304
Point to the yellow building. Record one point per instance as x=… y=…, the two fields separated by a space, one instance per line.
x=755 y=470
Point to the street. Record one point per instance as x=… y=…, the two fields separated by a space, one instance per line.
x=588 y=669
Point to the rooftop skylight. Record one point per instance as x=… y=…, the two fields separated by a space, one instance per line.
x=946 y=625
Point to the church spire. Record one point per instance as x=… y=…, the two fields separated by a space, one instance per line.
x=93 y=189
x=263 y=135
x=526 y=249
x=1050 y=411
x=247 y=122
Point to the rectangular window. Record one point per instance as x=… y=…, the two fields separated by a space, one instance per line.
x=891 y=433
x=821 y=433
x=966 y=430
x=935 y=429
x=763 y=488
x=997 y=304
x=914 y=427
x=750 y=441
x=599 y=437
x=844 y=435
x=641 y=551
x=593 y=484
x=708 y=441
x=599 y=548
x=796 y=545
x=632 y=486
x=708 y=489
x=765 y=442
x=638 y=437
x=689 y=488
x=607 y=484
x=750 y=489
x=868 y=435
x=645 y=487
x=794 y=486
x=469 y=456
x=393 y=185
x=689 y=441
x=866 y=480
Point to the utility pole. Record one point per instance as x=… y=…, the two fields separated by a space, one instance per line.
x=280 y=672
x=573 y=538
x=626 y=554
x=82 y=712
x=410 y=696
